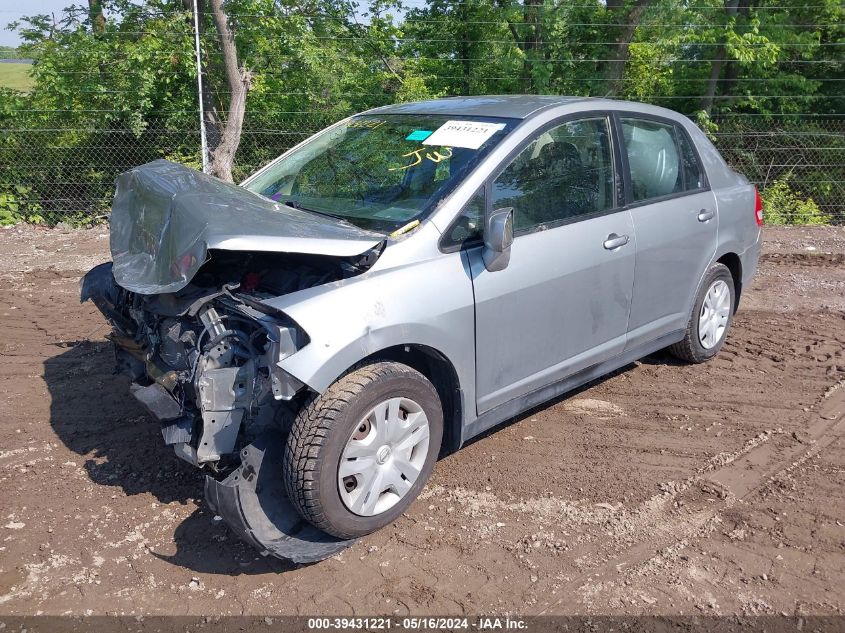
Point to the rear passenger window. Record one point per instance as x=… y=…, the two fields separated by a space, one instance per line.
x=566 y=172
x=660 y=158
x=652 y=158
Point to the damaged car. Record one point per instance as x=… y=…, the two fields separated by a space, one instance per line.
x=405 y=280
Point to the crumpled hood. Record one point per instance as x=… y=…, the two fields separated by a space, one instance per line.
x=165 y=217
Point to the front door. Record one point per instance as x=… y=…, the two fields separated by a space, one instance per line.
x=562 y=303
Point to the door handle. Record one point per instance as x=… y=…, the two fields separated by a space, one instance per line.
x=615 y=241
x=705 y=215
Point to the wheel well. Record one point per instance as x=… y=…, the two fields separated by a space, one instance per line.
x=731 y=260
x=437 y=368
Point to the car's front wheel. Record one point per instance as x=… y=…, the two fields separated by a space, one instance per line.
x=359 y=454
x=711 y=317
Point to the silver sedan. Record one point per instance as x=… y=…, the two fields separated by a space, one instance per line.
x=406 y=279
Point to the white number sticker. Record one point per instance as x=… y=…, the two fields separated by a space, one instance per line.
x=468 y=134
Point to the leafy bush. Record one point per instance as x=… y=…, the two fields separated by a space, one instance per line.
x=17 y=204
x=782 y=205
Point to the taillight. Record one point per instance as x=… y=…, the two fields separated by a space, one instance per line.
x=758 y=207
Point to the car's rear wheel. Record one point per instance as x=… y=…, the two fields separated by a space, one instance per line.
x=711 y=317
x=360 y=453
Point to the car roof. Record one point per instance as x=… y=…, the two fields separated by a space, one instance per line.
x=506 y=106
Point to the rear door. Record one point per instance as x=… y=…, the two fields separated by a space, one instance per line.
x=562 y=303
x=675 y=220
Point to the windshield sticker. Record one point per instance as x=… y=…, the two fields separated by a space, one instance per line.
x=367 y=124
x=417 y=156
x=418 y=135
x=468 y=134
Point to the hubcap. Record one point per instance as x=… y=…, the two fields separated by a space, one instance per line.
x=715 y=311
x=383 y=457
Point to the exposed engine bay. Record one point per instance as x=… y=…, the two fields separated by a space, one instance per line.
x=204 y=360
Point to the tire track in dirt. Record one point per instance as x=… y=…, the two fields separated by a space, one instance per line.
x=737 y=477
x=555 y=539
x=804 y=259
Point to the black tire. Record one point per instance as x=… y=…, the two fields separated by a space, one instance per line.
x=321 y=430
x=690 y=348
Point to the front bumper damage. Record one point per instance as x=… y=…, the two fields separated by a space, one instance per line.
x=253 y=502
x=205 y=363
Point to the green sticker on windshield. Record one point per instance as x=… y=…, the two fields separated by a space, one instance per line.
x=418 y=135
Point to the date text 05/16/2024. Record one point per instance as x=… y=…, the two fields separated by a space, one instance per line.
x=418 y=623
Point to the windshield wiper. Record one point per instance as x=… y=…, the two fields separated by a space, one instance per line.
x=295 y=204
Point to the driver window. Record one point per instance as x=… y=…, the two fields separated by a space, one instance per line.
x=565 y=173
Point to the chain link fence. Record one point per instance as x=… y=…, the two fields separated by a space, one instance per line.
x=114 y=91
x=807 y=154
x=66 y=174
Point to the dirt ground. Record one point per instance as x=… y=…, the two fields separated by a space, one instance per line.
x=662 y=489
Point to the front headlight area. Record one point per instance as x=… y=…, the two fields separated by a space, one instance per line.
x=211 y=374
x=237 y=379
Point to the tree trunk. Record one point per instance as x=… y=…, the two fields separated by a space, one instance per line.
x=728 y=84
x=619 y=56
x=95 y=15
x=533 y=43
x=717 y=64
x=713 y=80
x=238 y=80
x=529 y=40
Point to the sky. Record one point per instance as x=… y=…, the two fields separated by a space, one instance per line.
x=11 y=10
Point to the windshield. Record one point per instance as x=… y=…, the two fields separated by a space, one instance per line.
x=381 y=172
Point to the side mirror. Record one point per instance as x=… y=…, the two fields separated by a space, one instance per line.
x=498 y=237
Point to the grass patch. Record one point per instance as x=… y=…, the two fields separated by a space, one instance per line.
x=16 y=76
